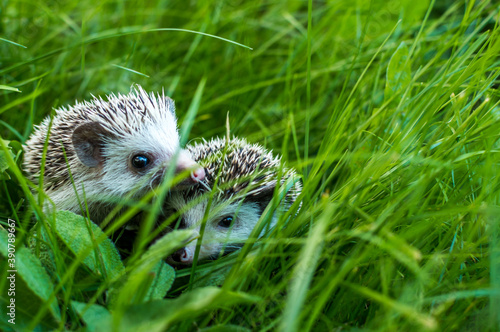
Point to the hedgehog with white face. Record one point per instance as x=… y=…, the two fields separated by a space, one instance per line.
x=115 y=148
x=245 y=186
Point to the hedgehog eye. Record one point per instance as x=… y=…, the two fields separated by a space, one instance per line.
x=226 y=222
x=140 y=161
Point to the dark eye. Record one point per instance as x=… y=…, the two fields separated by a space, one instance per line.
x=226 y=222
x=140 y=161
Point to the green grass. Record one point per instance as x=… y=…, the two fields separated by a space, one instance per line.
x=389 y=109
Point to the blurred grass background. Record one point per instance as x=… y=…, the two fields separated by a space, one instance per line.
x=388 y=108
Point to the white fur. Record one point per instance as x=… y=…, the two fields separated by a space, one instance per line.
x=117 y=179
x=216 y=238
x=139 y=123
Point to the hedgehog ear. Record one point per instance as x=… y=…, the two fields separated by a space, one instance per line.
x=88 y=142
x=262 y=198
x=265 y=197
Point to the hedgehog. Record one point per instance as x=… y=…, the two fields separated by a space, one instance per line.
x=105 y=150
x=246 y=176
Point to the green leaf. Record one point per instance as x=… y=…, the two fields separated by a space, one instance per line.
x=163 y=276
x=31 y=287
x=211 y=277
x=80 y=234
x=163 y=248
x=3 y=162
x=41 y=250
x=136 y=289
x=96 y=317
x=398 y=72
x=225 y=328
x=9 y=88
x=15 y=146
x=159 y=315
x=3 y=158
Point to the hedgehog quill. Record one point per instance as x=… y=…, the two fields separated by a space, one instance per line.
x=247 y=177
x=115 y=147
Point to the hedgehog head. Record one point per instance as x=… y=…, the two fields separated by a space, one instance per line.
x=112 y=148
x=241 y=178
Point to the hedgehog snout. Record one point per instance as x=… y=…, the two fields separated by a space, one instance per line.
x=183 y=256
x=185 y=162
x=198 y=174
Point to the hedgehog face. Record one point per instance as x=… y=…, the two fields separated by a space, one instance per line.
x=227 y=228
x=139 y=161
x=246 y=176
x=134 y=158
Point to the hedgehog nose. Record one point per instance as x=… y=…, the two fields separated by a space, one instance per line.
x=182 y=255
x=186 y=162
x=198 y=174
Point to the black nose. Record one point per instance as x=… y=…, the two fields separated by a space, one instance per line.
x=178 y=255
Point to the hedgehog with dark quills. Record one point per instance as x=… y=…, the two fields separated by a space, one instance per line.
x=107 y=150
x=246 y=176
